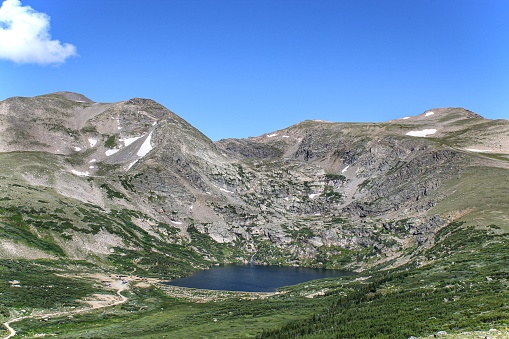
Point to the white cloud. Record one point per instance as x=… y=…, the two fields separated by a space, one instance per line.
x=25 y=38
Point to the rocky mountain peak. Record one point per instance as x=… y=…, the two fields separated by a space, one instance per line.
x=71 y=96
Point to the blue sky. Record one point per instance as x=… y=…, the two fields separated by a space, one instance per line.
x=240 y=68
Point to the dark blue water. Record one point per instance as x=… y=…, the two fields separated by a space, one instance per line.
x=253 y=278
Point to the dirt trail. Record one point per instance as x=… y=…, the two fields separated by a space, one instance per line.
x=99 y=301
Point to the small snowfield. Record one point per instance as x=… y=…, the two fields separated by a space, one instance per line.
x=423 y=133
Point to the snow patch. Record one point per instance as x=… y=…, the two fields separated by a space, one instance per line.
x=478 y=150
x=154 y=123
x=344 y=169
x=145 y=147
x=80 y=174
x=111 y=152
x=285 y=136
x=428 y=114
x=312 y=196
x=225 y=190
x=272 y=135
x=405 y=118
x=93 y=160
x=423 y=133
x=131 y=164
x=176 y=222
x=77 y=149
x=128 y=141
x=92 y=142
x=91 y=167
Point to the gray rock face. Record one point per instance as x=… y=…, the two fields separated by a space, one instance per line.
x=316 y=193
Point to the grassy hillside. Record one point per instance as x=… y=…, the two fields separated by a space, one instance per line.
x=478 y=197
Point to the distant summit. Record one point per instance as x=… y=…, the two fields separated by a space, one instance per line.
x=439 y=115
x=71 y=96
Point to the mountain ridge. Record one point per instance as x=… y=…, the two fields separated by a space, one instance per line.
x=324 y=179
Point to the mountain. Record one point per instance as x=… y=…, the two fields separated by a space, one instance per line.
x=417 y=206
x=317 y=193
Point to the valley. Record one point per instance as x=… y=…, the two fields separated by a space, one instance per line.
x=416 y=206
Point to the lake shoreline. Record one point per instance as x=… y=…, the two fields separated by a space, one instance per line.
x=253 y=278
x=204 y=295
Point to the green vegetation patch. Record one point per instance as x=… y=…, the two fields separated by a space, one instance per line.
x=110 y=193
x=111 y=142
x=34 y=285
x=14 y=226
x=335 y=177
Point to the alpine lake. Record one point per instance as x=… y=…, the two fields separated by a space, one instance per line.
x=253 y=278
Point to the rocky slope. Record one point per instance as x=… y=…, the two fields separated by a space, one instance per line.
x=131 y=183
